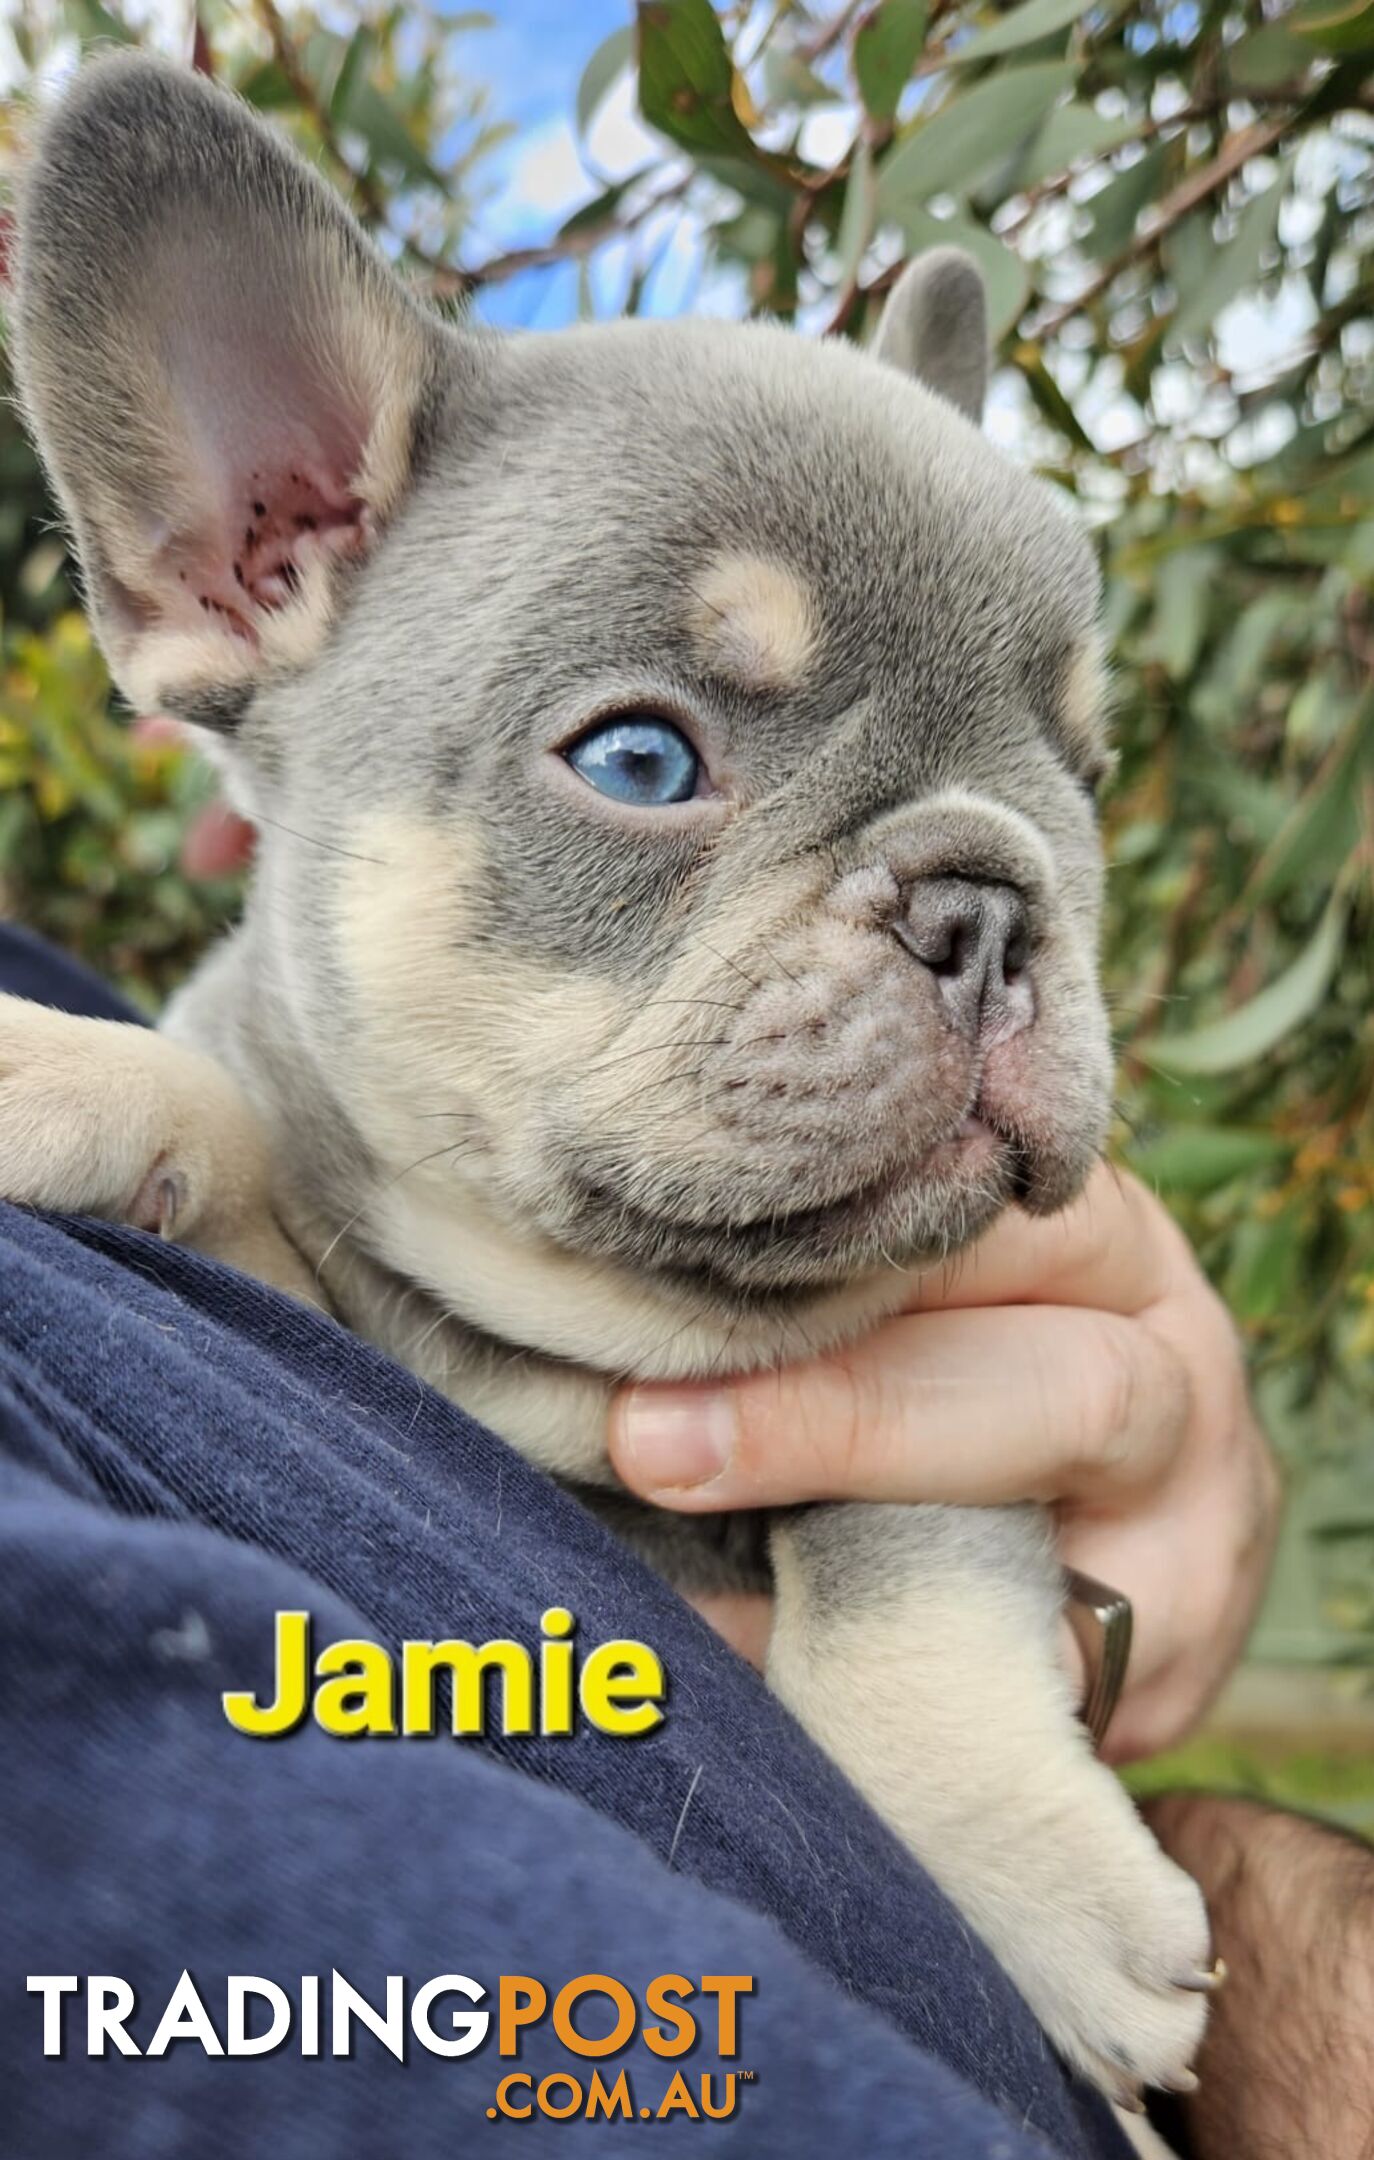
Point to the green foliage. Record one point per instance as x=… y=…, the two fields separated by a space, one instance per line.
x=1338 y=1784
x=1174 y=208
x=91 y=819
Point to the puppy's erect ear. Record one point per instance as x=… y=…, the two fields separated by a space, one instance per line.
x=225 y=380
x=935 y=326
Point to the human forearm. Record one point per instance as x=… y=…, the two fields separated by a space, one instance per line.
x=1287 y=2068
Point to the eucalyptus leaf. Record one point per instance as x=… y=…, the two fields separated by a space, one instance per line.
x=1317 y=843
x=359 y=54
x=788 y=80
x=596 y=211
x=1253 y=807
x=1182 y=615
x=267 y=88
x=1253 y=1030
x=1230 y=267
x=1113 y=212
x=1199 y=1158
x=92 y=22
x=610 y=60
x=387 y=136
x=687 y=82
x=749 y=177
x=1249 y=644
x=1318 y=839
x=1024 y=25
x=1070 y=135
x=887 y=45
x=1266 y=57
x=948 y=153
x=1262 y=1275
x=752 y=236
x=1336 y=26
x=1051 y=400
x=857 y=217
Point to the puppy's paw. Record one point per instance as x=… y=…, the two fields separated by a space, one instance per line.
x=87 y=1117
x=1110 y=1945
x=102 y=1118
x=946 y=1705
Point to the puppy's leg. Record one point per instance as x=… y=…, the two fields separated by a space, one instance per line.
x=918 y=1646
x=98 y=1117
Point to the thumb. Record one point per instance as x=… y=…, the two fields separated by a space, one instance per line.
x=970 y=1407
x=766 y=1438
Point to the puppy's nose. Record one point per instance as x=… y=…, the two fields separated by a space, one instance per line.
x=975 y=940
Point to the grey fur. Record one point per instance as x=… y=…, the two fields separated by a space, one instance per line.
x=702 y=1103
x=935 y=326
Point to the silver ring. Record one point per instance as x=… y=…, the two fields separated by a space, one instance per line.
x=1101 y=1621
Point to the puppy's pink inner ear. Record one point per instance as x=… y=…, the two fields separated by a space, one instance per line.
x=277 y=518
x=277 y=439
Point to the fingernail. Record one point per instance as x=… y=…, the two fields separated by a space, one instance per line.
x=676 y=1438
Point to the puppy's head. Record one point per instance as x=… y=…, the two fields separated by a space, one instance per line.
x=674 y=743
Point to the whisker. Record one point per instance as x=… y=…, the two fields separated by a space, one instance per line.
x=433 y=1156
x=716 y=1004
x=434 y=1326
x=782 y=964
x=753 y=983
x=693 y=1319
x=664 y=1080
x=793 y=1322
x=647 y=1050
x=312 y=840
x=718 y=1361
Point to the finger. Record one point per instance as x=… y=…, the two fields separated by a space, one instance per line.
x=1044 y=1403
x=217 y=843
x=1115 y=1248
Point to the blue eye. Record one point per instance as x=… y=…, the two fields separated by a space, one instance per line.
x=637 y=760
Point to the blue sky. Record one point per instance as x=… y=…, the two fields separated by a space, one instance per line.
x=535 y=52
x=532 y=59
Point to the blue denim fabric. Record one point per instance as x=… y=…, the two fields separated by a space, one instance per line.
x=182 y=1453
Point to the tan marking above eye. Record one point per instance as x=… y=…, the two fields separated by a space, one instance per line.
x=1084 y=703
x=754 y=620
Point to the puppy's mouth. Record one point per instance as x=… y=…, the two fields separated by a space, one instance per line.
x=920 y=1209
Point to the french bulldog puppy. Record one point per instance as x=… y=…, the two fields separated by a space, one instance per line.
x=675 y=917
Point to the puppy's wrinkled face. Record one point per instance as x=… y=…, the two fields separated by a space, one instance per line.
x=674 y=743
x=717 y=730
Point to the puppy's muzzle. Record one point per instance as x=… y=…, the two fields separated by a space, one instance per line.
x=973 y=936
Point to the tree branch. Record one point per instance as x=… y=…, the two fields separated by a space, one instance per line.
x=1237 y=150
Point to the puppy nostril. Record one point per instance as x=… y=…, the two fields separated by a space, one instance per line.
x=939 y=942
x=951 y=955
x=974 y=938
x=1015 y=957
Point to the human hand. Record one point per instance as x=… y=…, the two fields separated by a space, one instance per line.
x=1080 y=1360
